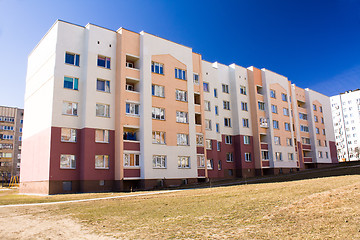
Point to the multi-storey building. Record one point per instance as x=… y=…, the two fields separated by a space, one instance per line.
x=346 y=117
x=114 y=110
x=11 y=120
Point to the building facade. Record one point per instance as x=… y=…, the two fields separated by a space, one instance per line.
x=346 y=118
x=115 y=110
x=11 y=121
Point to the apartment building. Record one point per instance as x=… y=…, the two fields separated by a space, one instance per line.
x=11 y=120
x=115 y=110
x=346 y=118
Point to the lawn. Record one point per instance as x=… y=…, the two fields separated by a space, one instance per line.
x=323 y=208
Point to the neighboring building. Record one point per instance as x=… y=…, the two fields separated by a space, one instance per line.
x=114 y=110
x=11 y=121
x=346 y=118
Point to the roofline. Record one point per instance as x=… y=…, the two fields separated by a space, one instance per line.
x=122 y=28
x=142 y=32
x=100 y=27
x=264 y=69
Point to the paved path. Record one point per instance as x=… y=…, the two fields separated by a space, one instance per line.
x=91 y=199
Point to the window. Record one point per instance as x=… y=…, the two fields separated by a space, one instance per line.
x=288 y=142
x=70 y=108
x=7 y=137
x=227 y=122
x=68 y=135
x=20 y=138
x=196 y=79
x=210 y=164
x=183 y=162
x=181 y=117
x=229 y=157
x=317 y=130
x=261 y=106
x=157 y=68
x=219 y=165
x=325 y=143
x=246 y=139
x=327 y=154
x=132 y=108
x=263 y=123
x=200 y=161
x=322 y=120
x=275 y=124
x=206 y=87
x=102 y=110
x=158 y=137
x=101 y=136
x=71 y=83
x=129 y=64
x=320 y=154
x=131 y=160
x=157 y=91
x=245 y=122
x=216 y=110
x=305 y=140
x=323 y=132
x=243 y=90
x=274 y=108
x=218 y=146
x=207 y=124
x=102 y=161
x=67 y=161
x=319 y=142
x=286 y=111
x=278 y=156
x=287 y=126
x=304 y=128
x=180 y=74
x=103 y=61
x=72 y=58
x=159 y=161
x=199 y=140
x=217 y=127
x=215 y=93
x=290 y=156
x=158 y=113
x=182 y=139
x=208 y=144
x=284 y=97
x=303 y=116
x=181 y=95
x=264 y=155
x=244 y=106
x=272 y=93
x=103 y=85
x=320 y=108
x=228 y=139
x=277 y=141
x=316 y=119
x=247 y=157
x=207 y=105
x=226 y=105
x=314 y=107
x=225 y=88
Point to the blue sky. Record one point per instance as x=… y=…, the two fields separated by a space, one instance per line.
x=315 y=44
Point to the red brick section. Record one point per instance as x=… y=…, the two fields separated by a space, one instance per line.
x=131 y=173
x=266 y=163
x=84 y=150
x=300 y=155
x=306 y=146
x=307 y=159
x=333 y=152
x=264 y=146
x=200 y=150
x=132 y=146
x=238 y=149
x=201 y=172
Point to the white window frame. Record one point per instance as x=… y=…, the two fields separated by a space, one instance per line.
x=229 y=157
x=104 y=134
x=159 y=161
x=246 y=140
x=106 y=85
x=247 y=157
x=106 y=113
x=182 y=139
x=72 y=135
x=157 y=90
x=158 y=113
x=184 y=162
x=181 y=95
x=158 y=137
x=127 y=160
x=182 y=117
x=104 y=160
x=70 y=161
x=67 y=105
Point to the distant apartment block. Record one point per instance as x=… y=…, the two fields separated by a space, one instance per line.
x=346 y=117
x=11 y=121
x=114 y=110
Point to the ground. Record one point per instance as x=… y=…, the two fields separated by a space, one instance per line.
x=320 y=208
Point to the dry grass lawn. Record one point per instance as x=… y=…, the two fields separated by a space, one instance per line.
x=323 y=208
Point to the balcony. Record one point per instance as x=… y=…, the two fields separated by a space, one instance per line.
x=308 y=160
x=306 y=147
x=265 y=163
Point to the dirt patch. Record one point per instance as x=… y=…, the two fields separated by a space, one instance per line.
x=38 y=223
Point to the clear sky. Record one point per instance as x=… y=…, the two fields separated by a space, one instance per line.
x=315 y=43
